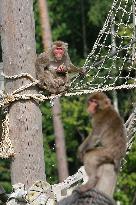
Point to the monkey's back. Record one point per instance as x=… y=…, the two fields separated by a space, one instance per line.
x=112 y=132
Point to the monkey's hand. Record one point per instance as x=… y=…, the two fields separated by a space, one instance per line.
x=82 y=72
x=85 y=147
x=93 y=145
x=62 y=69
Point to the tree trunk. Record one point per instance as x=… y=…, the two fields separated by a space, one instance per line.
x=56 y=109
x=113 y=40
x=134 y=34
x=60 y=141
x=1 y=77
x=18 y=45
x=115 y=100
x=83 y=28
x=45 y=24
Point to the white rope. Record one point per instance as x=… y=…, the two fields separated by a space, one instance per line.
x=122 y=18
x=7 y=99
x=27 y=75
x=42 y=192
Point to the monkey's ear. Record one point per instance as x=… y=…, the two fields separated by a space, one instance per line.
x=107 y=102
x=66 y=46
x=103 y=104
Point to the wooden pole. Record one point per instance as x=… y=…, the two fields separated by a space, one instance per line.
x=18 y=47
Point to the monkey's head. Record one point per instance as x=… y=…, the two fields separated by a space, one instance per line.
x=59 y=50
x=97 y=101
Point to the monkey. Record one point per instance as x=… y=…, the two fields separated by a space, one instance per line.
x=106 y=143
x=53 y=68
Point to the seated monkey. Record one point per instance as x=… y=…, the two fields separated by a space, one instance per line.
x=53 y=68
x=107 y=141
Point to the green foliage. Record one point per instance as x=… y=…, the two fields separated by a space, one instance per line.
x=127 y=180
x=75 y=121
x=49 y=143
x=65 y=18
x=5 y=174
x=98 y=11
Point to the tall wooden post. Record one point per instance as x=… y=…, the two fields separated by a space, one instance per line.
x=18 y=46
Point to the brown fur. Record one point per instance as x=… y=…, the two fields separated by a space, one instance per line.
x=107 y=141
x=46 y=65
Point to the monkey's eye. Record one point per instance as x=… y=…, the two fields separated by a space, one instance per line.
x=93 y=101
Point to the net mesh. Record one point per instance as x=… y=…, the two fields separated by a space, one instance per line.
x=112 y=61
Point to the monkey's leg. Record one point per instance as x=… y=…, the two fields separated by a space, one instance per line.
x=91 y=167
x=60 y=84
x=47 y=82
x=92 y=161
x=103 y=155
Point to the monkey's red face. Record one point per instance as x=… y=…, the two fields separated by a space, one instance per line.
x=92 y=106
x=58 y=53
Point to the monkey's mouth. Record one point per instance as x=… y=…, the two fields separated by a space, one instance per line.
x=58 y=56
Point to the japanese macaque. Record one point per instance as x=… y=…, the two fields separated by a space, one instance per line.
x=53 y=68
x=107 y=141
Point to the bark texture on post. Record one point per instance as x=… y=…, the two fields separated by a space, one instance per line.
x=56 y=109
x=18 y=46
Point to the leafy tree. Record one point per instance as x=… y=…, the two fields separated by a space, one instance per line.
x=67 y=26
x=126 y=183
x=98 y=11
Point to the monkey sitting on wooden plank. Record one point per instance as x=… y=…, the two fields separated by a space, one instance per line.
x=107 y=141
x=53 y=68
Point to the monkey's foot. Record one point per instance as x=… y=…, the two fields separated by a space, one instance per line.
x=89 y=185
x=84 y=188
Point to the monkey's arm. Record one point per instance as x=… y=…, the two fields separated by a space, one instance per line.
x=73 y=69
x=91 y=142
x=41 y=64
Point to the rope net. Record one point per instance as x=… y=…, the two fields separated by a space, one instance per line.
x=6 y=148
x=112 y=61
x=110 y=65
